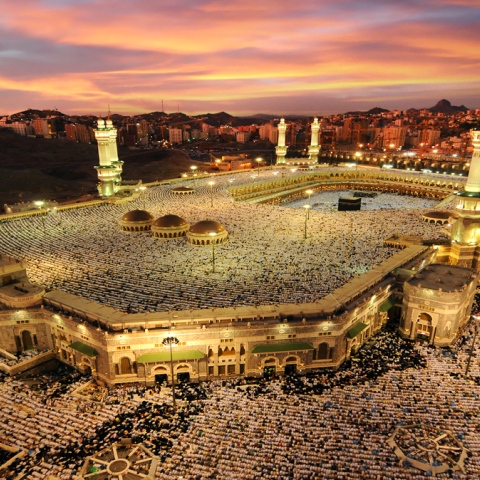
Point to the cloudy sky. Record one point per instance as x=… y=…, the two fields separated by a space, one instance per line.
x=312 y=57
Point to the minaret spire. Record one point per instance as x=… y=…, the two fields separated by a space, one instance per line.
x=313 y=148
x=465 y=236
x=281 y=149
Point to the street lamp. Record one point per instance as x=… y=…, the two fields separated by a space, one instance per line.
x=39 y=204
x=472 y=347
x=211 y=183
x=142 y=189
x=171 y=342
x=259 y=160
x=309 y=193
x=213 y=235
x=193 y=168
x=306 y=207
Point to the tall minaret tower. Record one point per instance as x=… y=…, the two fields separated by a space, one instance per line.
x=112 y=145
x=314 y=148
x=281 y=149
x=108 y=174
x=465 y=250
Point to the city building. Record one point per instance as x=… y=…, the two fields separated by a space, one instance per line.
x=175 y=135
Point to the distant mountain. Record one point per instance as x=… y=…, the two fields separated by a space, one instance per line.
x=266 y=117
x=33 y=113
x=218 y=119
x=377 y=111
x=372 y=111
x=444 y=106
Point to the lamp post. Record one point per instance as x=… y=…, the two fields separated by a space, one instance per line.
x=212 y=236
x=39 y=204
x=193 y=168
x=171 y=342
x=211 y=183
x=306 y=207
x=472 y=347
x=142 y=189
x=309 y=193
x=259 y=160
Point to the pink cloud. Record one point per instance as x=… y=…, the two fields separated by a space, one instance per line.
x=139 y=53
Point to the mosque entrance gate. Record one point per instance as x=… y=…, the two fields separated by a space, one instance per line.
x=183 y=373
x=291 y=369
x=269 y=371
x=161 y=378
x=424 y=327
x=183 y=377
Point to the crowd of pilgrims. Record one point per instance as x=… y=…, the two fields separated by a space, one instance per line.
x=325 y=424
x=266 y=260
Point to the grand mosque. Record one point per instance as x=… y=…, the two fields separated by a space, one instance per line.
x=215 y=277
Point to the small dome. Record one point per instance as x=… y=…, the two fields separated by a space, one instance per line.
x=137 y=216
x=169 y=221
x=207 y=226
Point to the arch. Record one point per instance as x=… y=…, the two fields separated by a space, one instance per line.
x=270 y=361
x=323 y=351
x=425 y=317
x=125 y=366
x=160 y=369
x=27 y=340
x=183 y=367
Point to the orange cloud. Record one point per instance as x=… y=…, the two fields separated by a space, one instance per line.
x=140 y=52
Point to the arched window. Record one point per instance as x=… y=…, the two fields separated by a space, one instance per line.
x=323 y=350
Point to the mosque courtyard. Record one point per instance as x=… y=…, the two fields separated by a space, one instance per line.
x=267 y=259
x=396 y=410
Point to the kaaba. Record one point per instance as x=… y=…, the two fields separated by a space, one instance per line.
x=349 y=203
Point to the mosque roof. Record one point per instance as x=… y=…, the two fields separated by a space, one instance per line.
x=207 y=226
x=137 y=216
x=169 y=221
x=449 y=278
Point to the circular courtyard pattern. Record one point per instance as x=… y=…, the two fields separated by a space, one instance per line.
x=428 y=448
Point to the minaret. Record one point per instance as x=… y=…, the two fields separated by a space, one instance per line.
x=107 y=172
x=281 y=149
x=466 y=230
x=112 y=144
x=314 y=148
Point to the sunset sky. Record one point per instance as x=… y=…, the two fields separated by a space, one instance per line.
x=312 y=57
